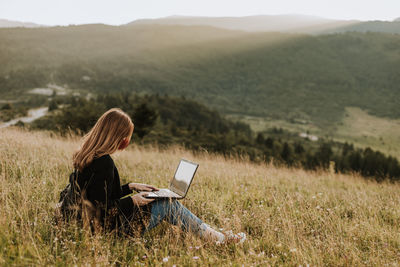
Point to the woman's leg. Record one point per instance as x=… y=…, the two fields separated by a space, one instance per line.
x=175 y=213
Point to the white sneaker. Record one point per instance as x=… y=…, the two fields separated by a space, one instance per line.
x=230 y=237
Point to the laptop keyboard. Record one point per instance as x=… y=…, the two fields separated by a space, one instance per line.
x=162 y=193
x=165 y=193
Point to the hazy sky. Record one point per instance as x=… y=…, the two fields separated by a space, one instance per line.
x=64 y=12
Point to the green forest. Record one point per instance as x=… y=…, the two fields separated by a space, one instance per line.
x=369 y=26
x=275 y=75
x=164 y=120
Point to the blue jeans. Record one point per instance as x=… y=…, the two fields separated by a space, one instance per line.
x=175 y=213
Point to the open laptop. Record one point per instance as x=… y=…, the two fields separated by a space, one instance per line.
x=180 y=183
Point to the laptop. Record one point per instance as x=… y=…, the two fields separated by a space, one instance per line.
x=180 y=183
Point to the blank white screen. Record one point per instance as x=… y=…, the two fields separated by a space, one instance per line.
x=183 y=176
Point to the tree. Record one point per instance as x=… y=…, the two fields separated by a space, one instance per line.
x=144 y=119
x=286 y=154
x=53 y=105
x=6 y=106
x=269 y=142
x=355 y=160
x=298 y=148
x=260 y=139
x=347 y=148
x=324 y=155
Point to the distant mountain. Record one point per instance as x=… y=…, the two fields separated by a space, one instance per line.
x=279 y=23
x=398 y=19
x=262 y=23
x=370 y=26
x=4 y=23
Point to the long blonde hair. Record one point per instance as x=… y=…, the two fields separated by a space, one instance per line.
x=104 y=138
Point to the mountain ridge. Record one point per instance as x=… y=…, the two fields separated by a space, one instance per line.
x=369 y=26
x=4 y=23
x=291 y=23
x=256 y=23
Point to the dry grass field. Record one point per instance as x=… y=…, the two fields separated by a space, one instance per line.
x=292 y=217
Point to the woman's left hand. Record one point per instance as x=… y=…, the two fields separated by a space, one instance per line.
x=142 y=187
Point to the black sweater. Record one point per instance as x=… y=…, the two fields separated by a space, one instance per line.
x=99 y=183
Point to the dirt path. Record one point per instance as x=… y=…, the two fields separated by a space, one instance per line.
x=33 y=114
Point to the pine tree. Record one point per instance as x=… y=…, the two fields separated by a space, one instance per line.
x=144 y=119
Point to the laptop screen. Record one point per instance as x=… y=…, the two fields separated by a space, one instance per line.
x=183 y=177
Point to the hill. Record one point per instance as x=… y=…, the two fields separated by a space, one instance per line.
x=279 y=23
x=261 y=23
x=369 y=26
x=312 y=78
x=291 y=217
x=4 y=23
x=307 y=81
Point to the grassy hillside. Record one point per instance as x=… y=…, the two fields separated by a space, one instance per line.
x=279 y=76
x=357 y=127
x=292 y=217
x=307 y=78
x=363 y=129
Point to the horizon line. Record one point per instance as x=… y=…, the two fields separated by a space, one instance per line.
x=190 y=16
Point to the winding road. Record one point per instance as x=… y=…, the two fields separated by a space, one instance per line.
x=33 y=114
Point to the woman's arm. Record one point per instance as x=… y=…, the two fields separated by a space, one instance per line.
x=126 y=190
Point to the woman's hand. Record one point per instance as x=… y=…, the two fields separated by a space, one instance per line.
x=140 y=200
x=142 y=187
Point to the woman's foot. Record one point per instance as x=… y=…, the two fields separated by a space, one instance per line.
x=221 y=238
x=211 y=234
x=230 y=237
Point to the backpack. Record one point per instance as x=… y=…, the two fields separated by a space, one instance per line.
x=70 y=198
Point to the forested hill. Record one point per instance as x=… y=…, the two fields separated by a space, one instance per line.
x=260 y=23
x=290 y=76
x=368 y=26
x=279 y=23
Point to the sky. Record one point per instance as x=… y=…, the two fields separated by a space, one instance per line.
x=116 y=12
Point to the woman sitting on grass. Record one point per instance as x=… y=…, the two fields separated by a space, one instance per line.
x=98 y=184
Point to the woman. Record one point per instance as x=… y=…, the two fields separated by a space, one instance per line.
x=104 y=203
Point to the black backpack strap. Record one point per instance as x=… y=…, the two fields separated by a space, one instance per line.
x=73 y=176
x=73 y=181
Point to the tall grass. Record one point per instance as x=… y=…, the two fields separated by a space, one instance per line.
x=292 y=217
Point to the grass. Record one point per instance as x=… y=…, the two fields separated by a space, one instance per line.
x=260 y=124
x=292 y=217
x=357 y=127
x=364 y=129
